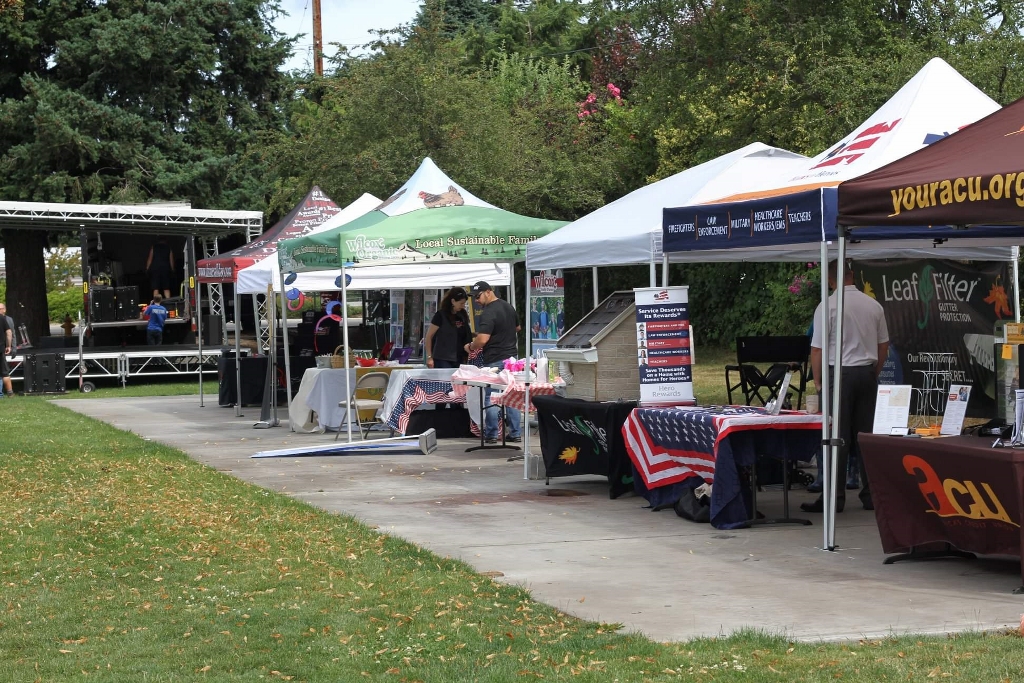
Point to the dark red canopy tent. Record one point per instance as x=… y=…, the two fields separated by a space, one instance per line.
x=973 y=177
x=316 y=208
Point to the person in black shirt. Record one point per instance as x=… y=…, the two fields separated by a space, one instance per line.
x=448 y=333
x=496 y=334
x=160 y=266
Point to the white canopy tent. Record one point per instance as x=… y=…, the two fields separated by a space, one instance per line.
x=628 y=230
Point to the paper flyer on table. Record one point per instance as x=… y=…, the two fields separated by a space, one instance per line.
x=892 y=408
x=956 y=409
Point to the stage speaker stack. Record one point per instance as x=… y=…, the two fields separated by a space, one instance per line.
x=103 y=304
x=213 y=330
x=126 y=302
x=44 y=373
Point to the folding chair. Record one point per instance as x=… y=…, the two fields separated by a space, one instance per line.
x=781 y=354
x=371 y=380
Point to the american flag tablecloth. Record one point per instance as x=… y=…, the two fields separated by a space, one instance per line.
x=670 y=445
x=416 y=392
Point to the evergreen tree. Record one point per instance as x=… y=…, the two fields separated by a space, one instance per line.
x=133 y=100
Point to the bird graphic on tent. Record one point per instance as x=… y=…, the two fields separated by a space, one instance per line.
x=450 y=198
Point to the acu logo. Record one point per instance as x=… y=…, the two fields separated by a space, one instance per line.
x=952 y=498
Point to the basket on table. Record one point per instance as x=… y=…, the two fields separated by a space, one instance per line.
x=338 y=358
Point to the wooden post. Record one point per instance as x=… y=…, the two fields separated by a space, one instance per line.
x=318 y=41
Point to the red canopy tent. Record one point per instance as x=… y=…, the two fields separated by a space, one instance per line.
x=973 y=177
x=316 y=208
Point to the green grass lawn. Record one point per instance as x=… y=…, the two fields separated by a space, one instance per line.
x=124 y=560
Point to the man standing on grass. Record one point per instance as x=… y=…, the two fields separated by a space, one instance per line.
x=157 y=316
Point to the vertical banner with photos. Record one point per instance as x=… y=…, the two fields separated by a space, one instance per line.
x=398 y=317
x=547 y=309
x=663 y=345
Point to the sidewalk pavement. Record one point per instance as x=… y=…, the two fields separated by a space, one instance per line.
x=606 y=560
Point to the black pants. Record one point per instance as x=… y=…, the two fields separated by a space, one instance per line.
x=856 y=414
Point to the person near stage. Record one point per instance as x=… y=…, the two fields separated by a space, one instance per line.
x=157 y=317
x=7 y=335
x=865 y=347
x=160 y=266
x=448 y=332
x=496 y=334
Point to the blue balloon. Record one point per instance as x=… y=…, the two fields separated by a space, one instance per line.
x=293 y=294
x=331 y=305
x=290 y=278
x=348 y=281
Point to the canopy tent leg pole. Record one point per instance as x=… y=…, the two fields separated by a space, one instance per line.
x=1016 y=284
x=345 y=350
x=195 y=304
x=512 y=284
x=529 y=313
x=526 y=407
x=664 y=270
x=823 y=396
x=653 y=278
x=594 y=279
x=836 y=389
x=287 y=362
x=238 y=356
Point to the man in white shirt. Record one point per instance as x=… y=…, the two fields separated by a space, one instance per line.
x=865 y=347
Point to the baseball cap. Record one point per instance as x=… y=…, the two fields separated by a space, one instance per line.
x=478 y=289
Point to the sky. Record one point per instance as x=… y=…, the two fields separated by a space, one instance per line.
x=344 y=21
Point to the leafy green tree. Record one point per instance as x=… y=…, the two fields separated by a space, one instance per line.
x=131 y=100
x=509 y=132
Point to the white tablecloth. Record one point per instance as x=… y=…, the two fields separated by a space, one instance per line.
x=320 y=392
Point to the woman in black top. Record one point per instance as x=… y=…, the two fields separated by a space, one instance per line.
x=448 y=332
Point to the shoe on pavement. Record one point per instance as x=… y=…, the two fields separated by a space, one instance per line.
x=814 y=487
x=491 y=439
x=515 y=439
x=819 y=506
x=852 y=484
x=869 y=504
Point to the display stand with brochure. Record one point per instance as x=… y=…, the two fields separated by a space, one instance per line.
x=892 y=409
x=956 y=409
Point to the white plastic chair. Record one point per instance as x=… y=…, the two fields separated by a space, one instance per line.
x=371 y=380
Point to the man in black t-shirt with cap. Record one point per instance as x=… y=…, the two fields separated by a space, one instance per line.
x=496 y=334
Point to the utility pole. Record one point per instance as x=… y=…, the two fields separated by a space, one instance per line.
x=318 y=41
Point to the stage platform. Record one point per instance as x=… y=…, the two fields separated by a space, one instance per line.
x=122 y=363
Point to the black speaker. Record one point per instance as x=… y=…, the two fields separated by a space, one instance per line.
x=126 y=301
x=103 y=304
x=213 y=330
x=44 y=373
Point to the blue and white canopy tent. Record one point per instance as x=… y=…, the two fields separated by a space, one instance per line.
x=796 y=219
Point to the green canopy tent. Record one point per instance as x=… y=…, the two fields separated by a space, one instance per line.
x=430 y=220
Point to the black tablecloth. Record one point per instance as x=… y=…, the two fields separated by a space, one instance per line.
x=585 y=437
